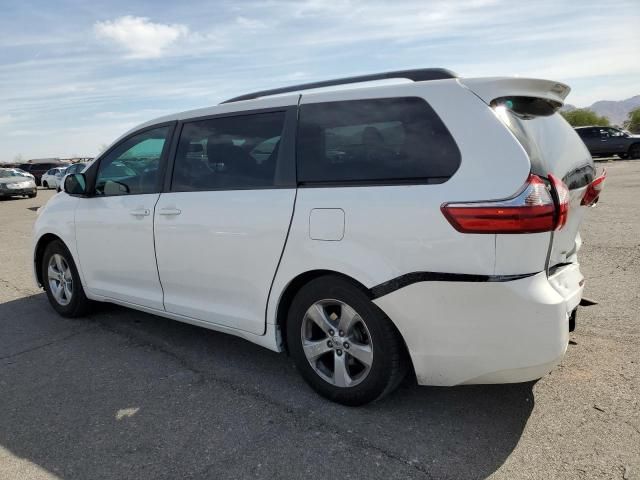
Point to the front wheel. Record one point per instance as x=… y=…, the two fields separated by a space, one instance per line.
x=343 y=345
x=634 y=151
x=62 y=282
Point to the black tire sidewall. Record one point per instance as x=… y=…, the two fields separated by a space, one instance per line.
x=385 y=341
x=78 y=300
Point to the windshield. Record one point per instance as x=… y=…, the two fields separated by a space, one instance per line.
x=8 y=174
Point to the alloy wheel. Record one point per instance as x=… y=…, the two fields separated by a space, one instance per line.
x=337 y=343
x=60 y=279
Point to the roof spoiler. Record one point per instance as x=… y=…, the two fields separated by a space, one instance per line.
x=493 y=89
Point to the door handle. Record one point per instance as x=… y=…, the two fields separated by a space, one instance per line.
x=140 y=212
x=169 y=211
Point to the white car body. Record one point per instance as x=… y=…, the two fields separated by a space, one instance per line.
x=471 y=308
x=52 y=178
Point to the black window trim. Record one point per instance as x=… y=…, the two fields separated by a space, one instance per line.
x=374 y=183
x=92 y=172
x=434 y=180
x=286 y=151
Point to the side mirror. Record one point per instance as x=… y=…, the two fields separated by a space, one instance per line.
x=75 y=184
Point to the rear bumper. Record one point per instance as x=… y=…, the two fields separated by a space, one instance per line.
x=486 y=332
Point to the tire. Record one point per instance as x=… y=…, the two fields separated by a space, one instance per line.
x=45 y=185
x=634 y=151
x=331 y=301
x=72 y=301
x=623 y=156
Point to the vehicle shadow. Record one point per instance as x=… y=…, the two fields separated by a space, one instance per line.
x=122 y=394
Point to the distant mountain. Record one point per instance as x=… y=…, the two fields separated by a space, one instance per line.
x=616 y=112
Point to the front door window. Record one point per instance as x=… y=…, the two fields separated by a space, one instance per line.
x=133 y=166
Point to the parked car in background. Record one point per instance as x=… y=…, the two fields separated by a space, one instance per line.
x=53 y=177
x=38 y=169
x=609 y=141
x=75 y=168
x=370 y=232
x=13 y=184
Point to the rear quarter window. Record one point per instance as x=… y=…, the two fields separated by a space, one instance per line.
x=553 y=146
x=374 y=141
x=584 y=132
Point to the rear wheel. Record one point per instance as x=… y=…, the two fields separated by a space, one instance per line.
x=634 y=151
x=62 y=282
x=45 y=185
x=343 y=345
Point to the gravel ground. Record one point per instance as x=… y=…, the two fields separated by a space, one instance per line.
x=122 y=394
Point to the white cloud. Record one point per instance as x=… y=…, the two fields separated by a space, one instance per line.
x=250 y=23
x=139 y=36
x=5 y=119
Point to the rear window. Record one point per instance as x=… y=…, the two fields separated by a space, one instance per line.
x=553 y=146
x=586 y=132
x=370 y=141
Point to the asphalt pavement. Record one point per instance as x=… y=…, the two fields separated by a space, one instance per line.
x=122 y=394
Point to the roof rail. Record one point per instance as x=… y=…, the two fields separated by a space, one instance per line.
x=417 y=75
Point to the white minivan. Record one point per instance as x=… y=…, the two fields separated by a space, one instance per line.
x=374 y=226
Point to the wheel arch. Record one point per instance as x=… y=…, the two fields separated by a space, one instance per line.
x=294 y=286
x=41 y=246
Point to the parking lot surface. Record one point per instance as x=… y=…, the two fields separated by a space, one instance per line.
x=122 y=394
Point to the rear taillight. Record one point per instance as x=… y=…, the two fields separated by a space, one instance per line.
x=592 y=193
x=561 y=194
x=533 y=210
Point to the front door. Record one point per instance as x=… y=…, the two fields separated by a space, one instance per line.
x=221 y=229
x=114 y=226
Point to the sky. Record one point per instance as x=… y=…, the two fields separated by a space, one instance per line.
x=75 y=75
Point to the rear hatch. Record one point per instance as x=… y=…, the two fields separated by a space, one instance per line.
x=528 y=107
x=554 y=148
